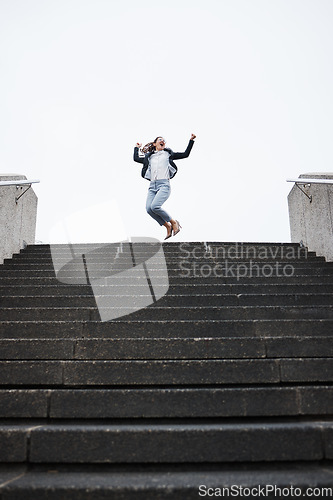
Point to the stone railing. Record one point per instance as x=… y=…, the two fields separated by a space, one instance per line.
x=18 y=214
x=311 y=213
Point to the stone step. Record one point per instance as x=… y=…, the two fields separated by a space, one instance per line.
x=121 y=281
x=171 y=402
x=47 y=258
x=168 y=246
x=229 y=312
x=165 y=372
x=40 y=286
x=285 y=267
x=188 y=249
x=57 y=301
x=187 y=269
x=170 y=258
x=183 y=250
x=158 y=482
x=138 y=256
x=196 y=247
x=156 y=442
x=165 y=313
x=171 y=264
x=118 y=300
x=192 y=403
x=278 y=268
x=218 y=272
x=165 y=348
x=196 y=254
x=61 y=289
x=174 y=257
x=167 y=329
x=144 y=348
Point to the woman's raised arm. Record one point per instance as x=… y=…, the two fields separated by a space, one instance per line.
x=136 y=156
x=178 y=156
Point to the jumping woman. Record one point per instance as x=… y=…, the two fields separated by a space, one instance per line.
x=159 y=168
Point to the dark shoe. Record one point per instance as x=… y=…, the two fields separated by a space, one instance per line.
x=168 y=235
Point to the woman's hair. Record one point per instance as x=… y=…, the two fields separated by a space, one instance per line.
x=149 y=148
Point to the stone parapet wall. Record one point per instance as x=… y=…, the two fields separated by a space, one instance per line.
x=17 y=219
x=311 y=222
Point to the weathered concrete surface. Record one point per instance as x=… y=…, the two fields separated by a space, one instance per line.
x=312 y=222
x=17 y=220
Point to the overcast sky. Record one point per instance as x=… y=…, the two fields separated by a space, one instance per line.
x=83 y=80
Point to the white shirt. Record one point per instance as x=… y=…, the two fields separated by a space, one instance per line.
x=159 y=165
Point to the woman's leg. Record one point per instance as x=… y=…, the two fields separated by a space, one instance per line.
x=150 y=198
x=157 y=195
x=160 y=197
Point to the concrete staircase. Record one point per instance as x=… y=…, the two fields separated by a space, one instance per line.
x=226 y=380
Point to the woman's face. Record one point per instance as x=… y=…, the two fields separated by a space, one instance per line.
x=159 y=144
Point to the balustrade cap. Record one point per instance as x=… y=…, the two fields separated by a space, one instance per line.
x=18 y=182
x=313 y=178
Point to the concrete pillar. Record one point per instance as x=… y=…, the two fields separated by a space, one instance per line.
x=312 y=222
x=17 y=220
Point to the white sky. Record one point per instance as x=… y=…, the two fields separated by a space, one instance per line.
x=83 y=80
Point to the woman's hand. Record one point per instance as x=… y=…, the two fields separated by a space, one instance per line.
x=138 y=145
x=193 y=137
